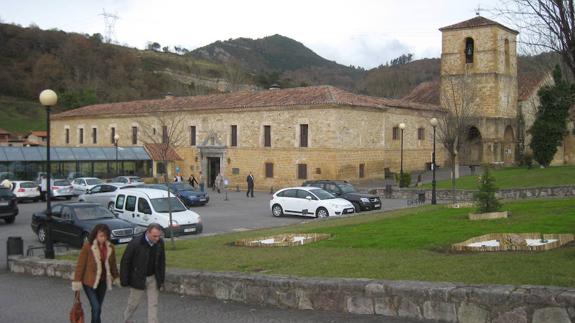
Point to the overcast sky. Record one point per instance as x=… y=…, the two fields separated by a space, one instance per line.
x=363 y=33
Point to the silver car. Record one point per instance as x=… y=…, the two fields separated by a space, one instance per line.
x=103 y=194
x=62 y=188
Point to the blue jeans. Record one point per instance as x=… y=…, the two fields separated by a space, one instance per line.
x=96 y=298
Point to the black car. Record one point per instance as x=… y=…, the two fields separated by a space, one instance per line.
x=344 y=190
x=8 y=205
x=186 y=192
x=73 y=222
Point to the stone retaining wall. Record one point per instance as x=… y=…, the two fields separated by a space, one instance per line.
x=450 y=302
x=467 y=195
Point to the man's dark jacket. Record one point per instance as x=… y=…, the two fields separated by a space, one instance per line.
x=250 y=181
x=134 y=265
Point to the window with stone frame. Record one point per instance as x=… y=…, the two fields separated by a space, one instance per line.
x=267 y=136
x=361 y=170
x=67 y=136
x=269 y=170
x=192 y=135
x=81 y=135
x=303 y=135
x=234 y=136
x=469 y=50
x=302 y=171
x=165 y=138
x=94 y=135
x=134 y=135
x=421 y=133
x=112 y=135
x=395 y=134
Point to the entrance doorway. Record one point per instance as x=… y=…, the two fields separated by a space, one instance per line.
x=213 y=170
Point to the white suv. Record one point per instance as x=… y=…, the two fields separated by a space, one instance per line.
x=308 y=201
x=143 y=206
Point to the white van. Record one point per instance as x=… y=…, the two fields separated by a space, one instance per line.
x=143 y=206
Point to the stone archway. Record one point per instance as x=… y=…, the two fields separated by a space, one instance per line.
x=508 y=146
x=472 y=148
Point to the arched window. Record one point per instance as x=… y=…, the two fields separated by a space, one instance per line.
x=469 y=48
x=507 y=63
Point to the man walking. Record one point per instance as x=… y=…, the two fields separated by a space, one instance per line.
x=250 y=180
x=143 y=269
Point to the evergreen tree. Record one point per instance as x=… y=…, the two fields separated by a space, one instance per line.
x=550 y=124
x=485 y=198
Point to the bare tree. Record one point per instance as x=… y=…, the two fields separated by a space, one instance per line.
x=545 y=25
x=165 y=131
x=235 y=76
x=459 y=102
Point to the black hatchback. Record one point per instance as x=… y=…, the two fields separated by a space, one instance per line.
x=344 y=190
x=8 y=205
x=71 y=223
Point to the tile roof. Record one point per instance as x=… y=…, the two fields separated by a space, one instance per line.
x=39 y=133
x=528 y=83
x=303 y=96
x=4 y=132
x=156 y=152
x=476 y=22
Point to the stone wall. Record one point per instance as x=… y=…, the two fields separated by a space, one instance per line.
x=449 y=302
x=467 y=195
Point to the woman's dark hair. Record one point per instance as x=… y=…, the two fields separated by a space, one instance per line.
x=99 y=228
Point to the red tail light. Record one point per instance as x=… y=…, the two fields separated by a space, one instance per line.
x=55 y=187
x=21 y=190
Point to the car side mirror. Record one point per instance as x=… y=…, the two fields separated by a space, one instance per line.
x=88 y=192
x=308 y=198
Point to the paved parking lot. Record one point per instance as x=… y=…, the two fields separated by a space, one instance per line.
x=237 y=213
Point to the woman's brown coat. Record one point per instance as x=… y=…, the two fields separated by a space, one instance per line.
x=89 y=266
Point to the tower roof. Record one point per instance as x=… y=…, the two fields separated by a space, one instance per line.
x=475 y=22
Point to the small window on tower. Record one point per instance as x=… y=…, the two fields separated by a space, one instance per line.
x=469 y=49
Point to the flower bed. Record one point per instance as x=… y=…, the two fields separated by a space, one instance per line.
x=283 y=240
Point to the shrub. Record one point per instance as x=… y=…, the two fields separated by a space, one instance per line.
x=485 y=198
x=405 y=181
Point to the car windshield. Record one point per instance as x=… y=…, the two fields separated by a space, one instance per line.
x=347 y=188
x=161 y=205
x=92 y=213
x=182 y=187
x=28 y=185
x=61 y=183
x=322 y=195
x=5 y=192
x=94 y=181
x=136 y=179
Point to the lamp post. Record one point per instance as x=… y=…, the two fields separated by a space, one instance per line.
x=433 y=123
x=48 y=99
x=116 y=139
x=401 y=126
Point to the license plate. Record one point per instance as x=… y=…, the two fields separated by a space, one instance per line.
x=124 y=240
x=377 y=205
x=3 y=203
x=190 y=230
x=202 y=200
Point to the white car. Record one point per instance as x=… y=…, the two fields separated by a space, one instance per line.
x=103 y=194
x=143 y=206
x=82 y=184
x=26 y=190
x=62 y=188
x=127 y=180
x=308 y=201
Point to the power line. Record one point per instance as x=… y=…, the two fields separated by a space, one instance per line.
x=109 y=25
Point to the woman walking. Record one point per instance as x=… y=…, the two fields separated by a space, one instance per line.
x=96 y=269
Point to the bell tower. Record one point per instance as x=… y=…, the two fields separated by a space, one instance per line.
x=479 y=64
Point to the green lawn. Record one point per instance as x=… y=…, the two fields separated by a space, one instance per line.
x=518 y=177
x=19 y=115
x=410 y=244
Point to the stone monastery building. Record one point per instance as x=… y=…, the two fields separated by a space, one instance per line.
x=285 y=136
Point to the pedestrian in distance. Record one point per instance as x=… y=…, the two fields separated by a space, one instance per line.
x=143 y=269
x=201 y=181
x=192 y=181
x=43 y=187
x=96 y=269
x=250 y=180
x=178 y=178
x=219 y=182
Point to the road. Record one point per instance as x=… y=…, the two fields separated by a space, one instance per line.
x=41 y=299
x=237 y=213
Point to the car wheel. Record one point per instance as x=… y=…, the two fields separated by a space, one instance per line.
x=36 y=200
x=10 y=219
x=277 y=210
x=321 y=213
x=68 y=198
x=41 y=234
x=111 y=206
x=356 y=207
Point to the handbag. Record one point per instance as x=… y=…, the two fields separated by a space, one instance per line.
x=77 y=313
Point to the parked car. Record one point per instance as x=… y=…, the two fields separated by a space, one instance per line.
x=186 y=192
x=71 y=223
x=127 y=180
x=81 y=184
x=308 y=201
x=343 y=189
x=26 y=190
x=143 y=206
x=103 y=194
x=8 y=205
x=61 y=188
